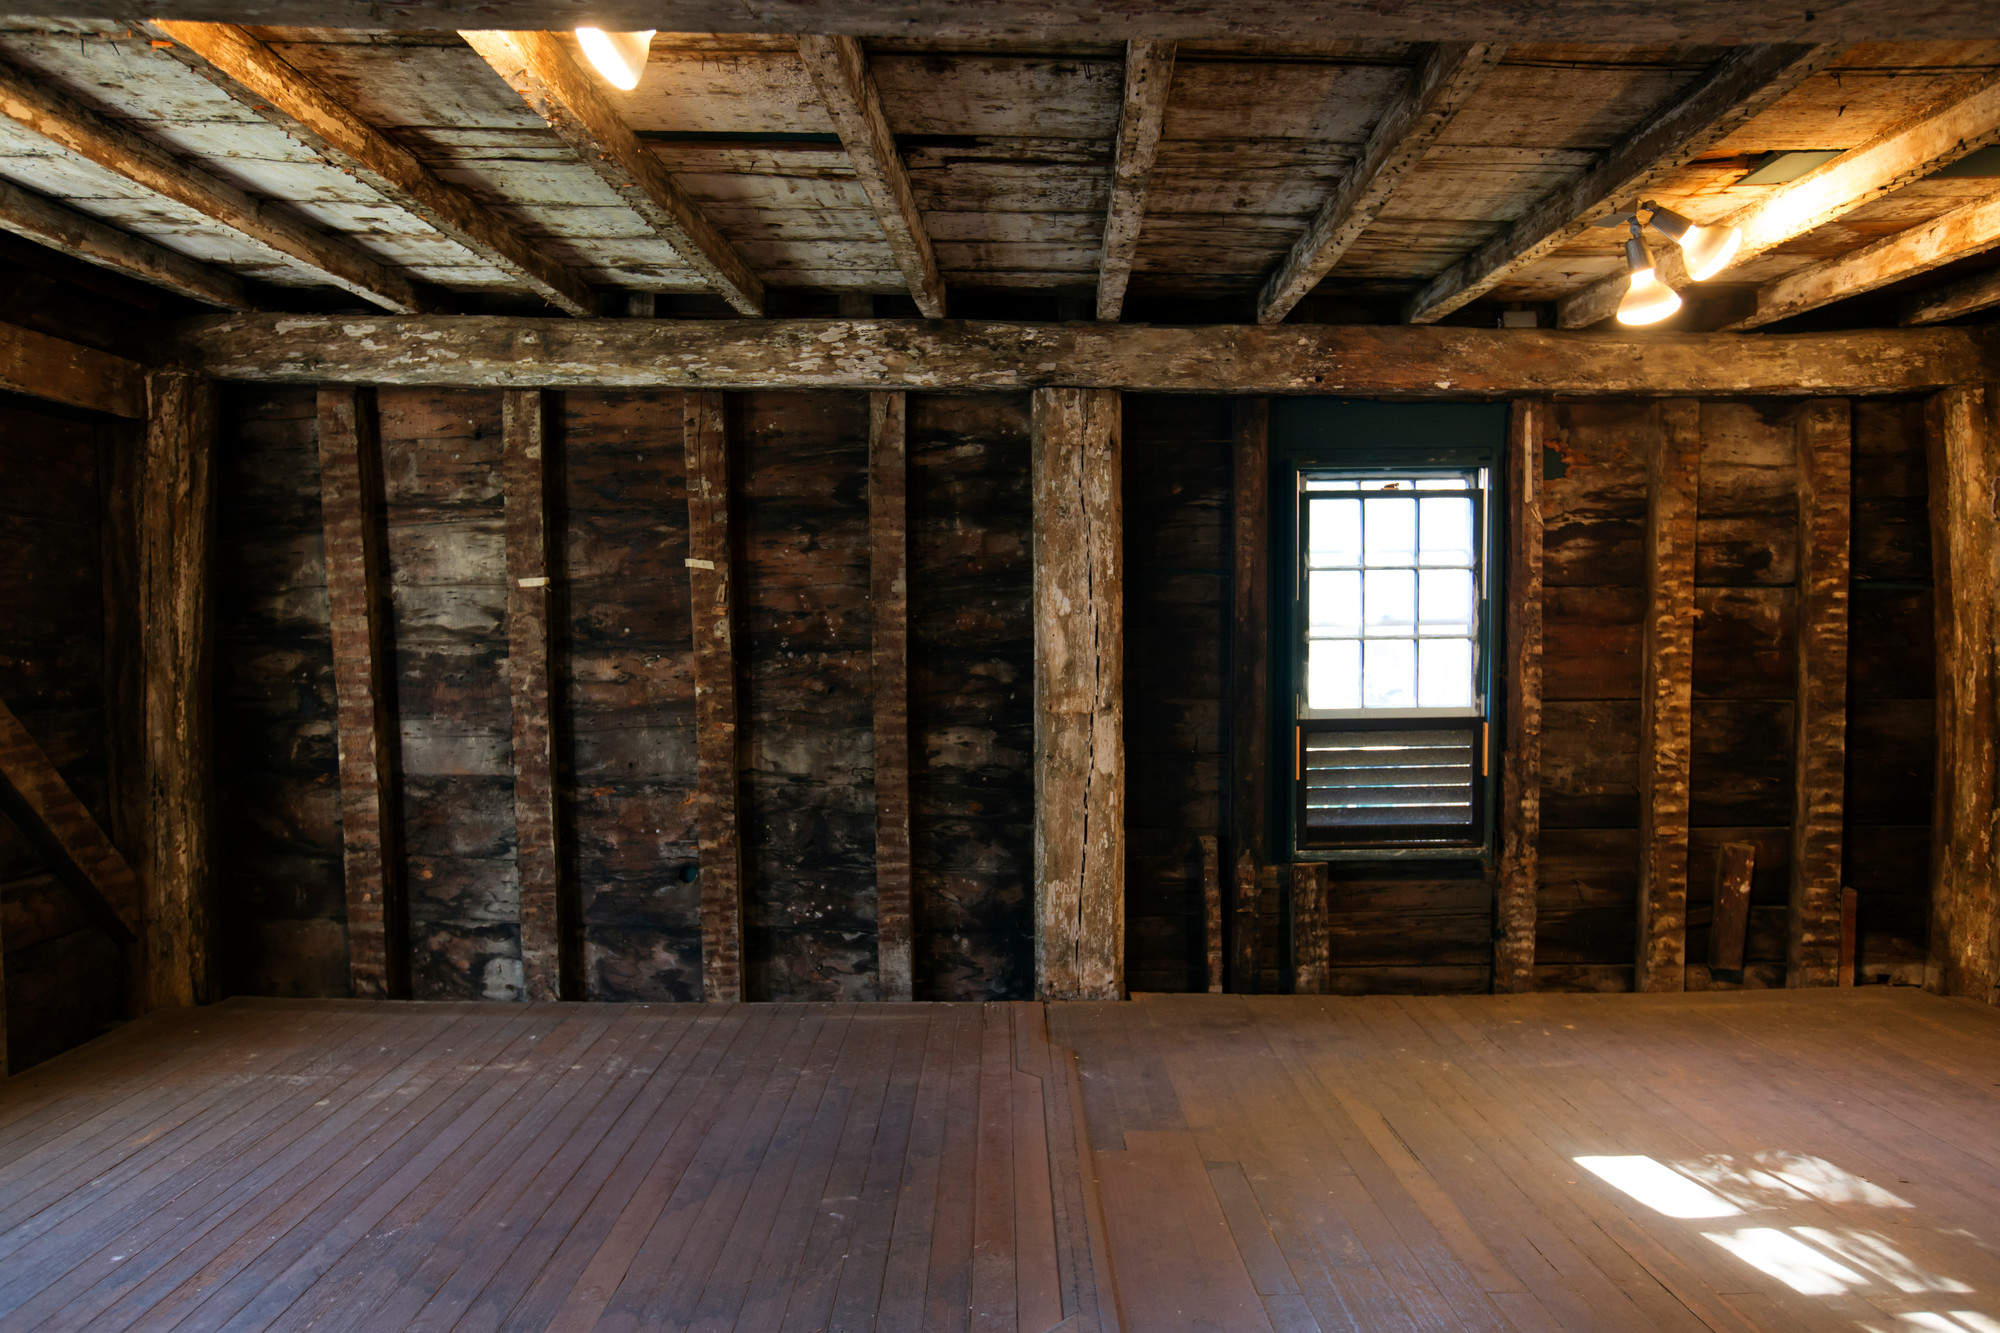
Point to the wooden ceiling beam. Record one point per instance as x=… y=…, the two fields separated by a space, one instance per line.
x=1149 y=76
x=839 y=69
x=1390 y=361
x=538 y=67
x=1886 y=163
x=1739 y=86
x=64 y=372
x=1967 y=296
x=29 y=101
x=1445 y=79
x=34 y=218
x=263 y=81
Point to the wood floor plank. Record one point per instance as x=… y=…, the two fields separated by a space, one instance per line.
x=907 y=1264
x=948 y=1286
x=858 y=1297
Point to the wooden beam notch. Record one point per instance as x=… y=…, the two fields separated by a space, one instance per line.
x=1825 y=445
x=889 y=657
x=1149 y=78
x=1519 y=878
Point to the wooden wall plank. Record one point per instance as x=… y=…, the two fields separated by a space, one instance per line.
x=717 y=781
x=1729 y=921
x=1309 y=928
x=1079 y=695
x=1665 y=727
x=889 y=602
x=350 y=506
x=548 y=916
x=1250 y=718
x=1825 y=442
x=1521 y=756
x=177 y=534
x=63 y=372
x=1211 y=900
x=1149 y=78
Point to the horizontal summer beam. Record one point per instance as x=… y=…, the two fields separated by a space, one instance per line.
x=940 y=355
x=64 y=372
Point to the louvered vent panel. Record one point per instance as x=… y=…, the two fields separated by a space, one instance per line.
x=1395 y=781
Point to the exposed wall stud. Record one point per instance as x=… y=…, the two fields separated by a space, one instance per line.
x=1250 y=718
x=1521 y=759
x=1825 y=439
x=889 y=601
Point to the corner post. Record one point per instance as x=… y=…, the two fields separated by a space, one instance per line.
x=1521 y=756
x=718 y=837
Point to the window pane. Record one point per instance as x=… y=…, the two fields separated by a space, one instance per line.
x=1334 y=533
x=1444 y=671
x=1442 y=483
x=1447 y=531
x=1322 y=484
x=1333 y=600
x=1444 y=602
x=1389 y=675
x=1391 y=601
x=1392 y=531
x=1333 y=673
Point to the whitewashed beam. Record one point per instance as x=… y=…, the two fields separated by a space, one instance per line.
x=1149 y=77
x=46 y=222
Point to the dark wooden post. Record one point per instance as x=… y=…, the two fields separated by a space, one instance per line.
x=1666 y=698
x=1309 y=933
x=547 y=918
x=1079 y=602
x=1250 y=719
x=350 y=472
x=1211 y=902
x=1521 y=759
x=716 y=779
x=1825 y=441
x=889 y=600
x=1962 y=434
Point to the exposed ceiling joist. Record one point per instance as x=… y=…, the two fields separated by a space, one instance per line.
x=536 y=65
x=839 y=69
x=60 y=371
x=265 y=82
x=1149 y=77
x=1966 y=230
x=46 y=222
x=1446 y=78
x=1885 y=164
x=1740 y=85
x=1967 y=296
x=30 y=103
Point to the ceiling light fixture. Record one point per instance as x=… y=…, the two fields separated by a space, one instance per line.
x=619 y=56
x=1649 y=301
x=1705 y=251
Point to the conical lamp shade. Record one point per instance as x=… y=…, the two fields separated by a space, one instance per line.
x=619 y=56
x=1705 y=251
x=1649 y=301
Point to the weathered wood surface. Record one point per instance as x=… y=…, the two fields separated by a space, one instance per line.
x=1519 y=871
x=64 y=372
x=34 y=105
x=48 y=223
x=717 y=794
x=1310 y=943
x=889 y=663
x=1825 y=452
x=1968 y=296
x=1211 y=900
x=63 y=832
x=1387 y=361
x=547 y=912
x=839 y=70
x=1962 y=427
x=1246 y=954
x=350 y=505
x=1665 y=723
x=1446 y=79
x=1079 y=696
x=1249 y=632
x=1729 y=921
x=259 y=78
x=1739 y=86
x=1149 y=78
x=538 y=66
x=177 y=538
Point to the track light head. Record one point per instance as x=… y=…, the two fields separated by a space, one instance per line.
x=1648 y=301
x=619 y=56
x=1705 y=251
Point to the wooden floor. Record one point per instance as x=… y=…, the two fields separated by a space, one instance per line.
x=1778 y=1160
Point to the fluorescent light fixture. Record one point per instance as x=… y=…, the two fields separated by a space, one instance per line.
x=619 y=56
x=1786 y=167
x=1705 y=251
x=1649 y=300
x=1654 y=1184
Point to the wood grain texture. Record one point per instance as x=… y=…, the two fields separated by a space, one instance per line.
x=1519 y=870
x=548 y=916
x=1739 y=86
x=1962 y=429
x=1310 y=942
x=1079 y=695
x=177 y=632
x=889 y=660
x=1149 y=79
x=66 y=836
x=371 y=847
x=1825 y=441
x=48 y=223
x=1446 y=79
x=1250 y=716
x=1967 y=296
x=64 y=372
x=717 y=783
x=1211 y=902
x=1665 y=719
x=1729 y=921
x=839 y=70
x=1387 y=361
x=538 y=67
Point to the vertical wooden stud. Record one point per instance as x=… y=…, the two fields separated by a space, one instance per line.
x=1309 y=933
x=1211 y=901
x=1850 y=935
x=1729 y=920
x=1825 y=443
x=177 y=523
x=1250 y=719
x=548 y=920
x=716 y=779
x=1079 y=695
x=350 y=481
x=1521 y=758
x=889 y=599
x=1962 y=429
x=1666 y=698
